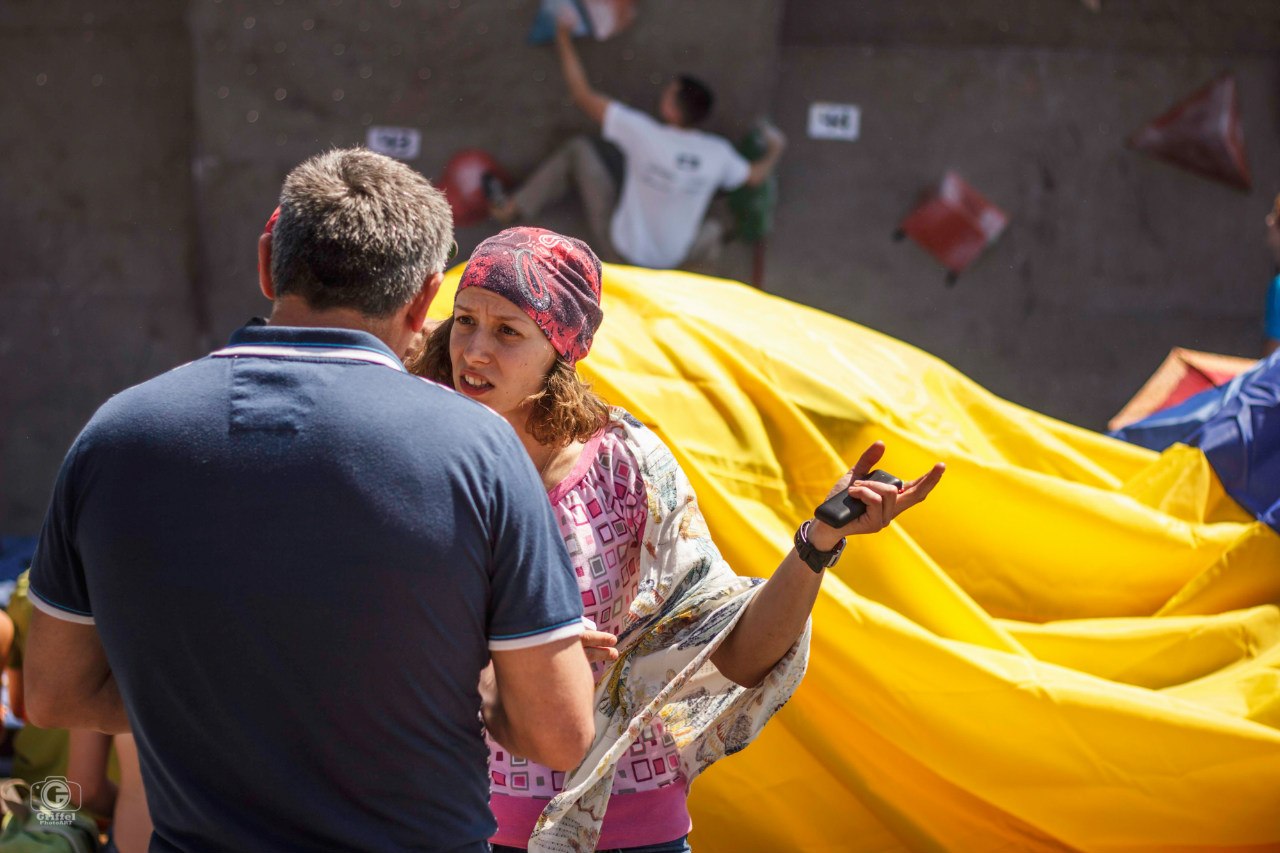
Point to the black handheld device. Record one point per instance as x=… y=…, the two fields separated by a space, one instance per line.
x=841 y=509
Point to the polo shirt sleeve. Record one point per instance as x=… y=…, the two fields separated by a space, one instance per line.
x=57 y=585
x=534 y=592
x=736 y=169
x=624 y=126
x=1272 y=315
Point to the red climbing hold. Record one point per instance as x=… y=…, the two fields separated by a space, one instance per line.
x=462 y=182
x=954 y=223
x=1202 y=134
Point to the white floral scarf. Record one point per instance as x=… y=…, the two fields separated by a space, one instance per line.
x=688 y=602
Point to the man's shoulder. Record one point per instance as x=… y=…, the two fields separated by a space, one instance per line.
x=620 y=116
x=475 y=433
x=718 y=142
x=191 y=388
x=621 y=108
x=158 y=393
x=418 y=393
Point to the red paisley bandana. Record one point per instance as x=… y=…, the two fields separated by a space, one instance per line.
x=553 y=278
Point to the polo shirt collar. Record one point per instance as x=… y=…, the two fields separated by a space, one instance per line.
x=256 y=338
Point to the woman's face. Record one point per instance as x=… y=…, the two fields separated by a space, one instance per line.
x=500 y=356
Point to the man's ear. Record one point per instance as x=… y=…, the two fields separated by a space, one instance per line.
x=265 y=284
x=417 y=316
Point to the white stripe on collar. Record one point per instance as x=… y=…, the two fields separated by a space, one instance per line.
x=332 y=351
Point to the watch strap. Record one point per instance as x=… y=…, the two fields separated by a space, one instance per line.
x=816 y=560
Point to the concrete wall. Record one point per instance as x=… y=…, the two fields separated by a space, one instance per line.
x=1151 y=26
x=97 y=223
x=277 y=81
x=1111 y=258
x=145 y=141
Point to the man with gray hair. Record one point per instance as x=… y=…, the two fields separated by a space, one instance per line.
x=287 y=563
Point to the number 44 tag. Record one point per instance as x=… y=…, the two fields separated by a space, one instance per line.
x=834 y=121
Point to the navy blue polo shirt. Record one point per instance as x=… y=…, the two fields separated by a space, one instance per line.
x=297 y=557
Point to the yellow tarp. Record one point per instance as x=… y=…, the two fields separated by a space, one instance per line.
x=1074 y=644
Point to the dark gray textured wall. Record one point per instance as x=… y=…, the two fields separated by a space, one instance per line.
x=276 y=82
x=96 y=218
x=144 y=142
x=1111 y=258
x=1153 y=26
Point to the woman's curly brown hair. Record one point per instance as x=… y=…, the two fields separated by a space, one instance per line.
x=564 y=411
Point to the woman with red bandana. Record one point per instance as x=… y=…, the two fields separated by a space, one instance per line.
x=690 y=660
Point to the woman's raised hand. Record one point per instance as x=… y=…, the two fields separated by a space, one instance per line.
x=884 y=502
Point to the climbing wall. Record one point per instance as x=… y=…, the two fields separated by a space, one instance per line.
x=144 y=143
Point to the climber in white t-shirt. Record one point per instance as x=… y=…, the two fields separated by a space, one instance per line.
x=656 y=217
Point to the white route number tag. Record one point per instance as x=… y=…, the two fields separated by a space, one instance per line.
x=834 y=121
x=403 y=143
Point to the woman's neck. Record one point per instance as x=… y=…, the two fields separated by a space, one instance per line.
x=552 y=462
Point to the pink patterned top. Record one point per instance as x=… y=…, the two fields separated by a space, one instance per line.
x=601 y=509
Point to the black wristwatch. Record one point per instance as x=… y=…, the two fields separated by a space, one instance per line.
x=813 y=558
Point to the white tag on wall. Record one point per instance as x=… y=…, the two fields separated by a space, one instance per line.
x=403 y=143
x=834 y=121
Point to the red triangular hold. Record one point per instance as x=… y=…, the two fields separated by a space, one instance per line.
x=1202 y=134
x=954 y=223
